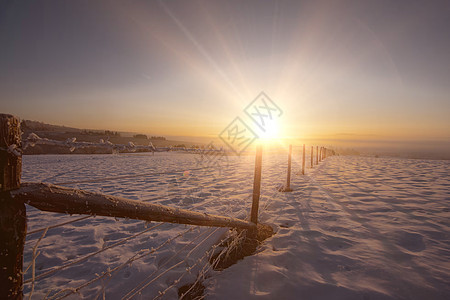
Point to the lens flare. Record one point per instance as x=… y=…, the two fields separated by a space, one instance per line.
x=271 y=132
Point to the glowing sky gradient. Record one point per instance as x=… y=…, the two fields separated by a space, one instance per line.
x=342 y=69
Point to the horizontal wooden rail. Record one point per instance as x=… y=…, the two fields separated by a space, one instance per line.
x=53 y=198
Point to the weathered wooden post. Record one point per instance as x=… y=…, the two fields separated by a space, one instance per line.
x=13 y=224
x=317 y=155
x=312 y=156
x=303 y=160
x=256 y=185
x=320 y=154
x=287 y=187
x=288 y=180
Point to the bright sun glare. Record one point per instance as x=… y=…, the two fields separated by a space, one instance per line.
x=272 y=130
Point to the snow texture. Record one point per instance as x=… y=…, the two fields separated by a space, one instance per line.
x=353 y=228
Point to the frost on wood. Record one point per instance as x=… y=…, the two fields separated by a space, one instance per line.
x=12 y=213
x=54 y=198
x=10 y=152
x=14 y=150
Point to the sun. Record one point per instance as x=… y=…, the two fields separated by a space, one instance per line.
x=271 y=130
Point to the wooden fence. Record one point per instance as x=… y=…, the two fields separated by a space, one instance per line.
x=52 y=198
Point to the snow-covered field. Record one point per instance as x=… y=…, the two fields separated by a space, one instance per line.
x=353 y=228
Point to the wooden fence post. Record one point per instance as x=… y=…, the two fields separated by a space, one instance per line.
x=256 y=185
x=287 y=187
x=303 y=161
x=13 y=224
x=288 y=181
x=312 y=156
x=317 y=155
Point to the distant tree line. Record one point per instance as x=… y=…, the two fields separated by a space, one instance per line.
x=140 y=136
x=158 y=138
x=99 y=132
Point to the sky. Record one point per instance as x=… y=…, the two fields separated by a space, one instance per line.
x=374 y=70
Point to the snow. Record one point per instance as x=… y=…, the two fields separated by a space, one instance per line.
x=71 y=143
x=13 y=149
x=353 y=228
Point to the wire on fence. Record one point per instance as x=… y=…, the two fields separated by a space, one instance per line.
x=33 y=263
x=75 y=261
x=209 y=262
x=205 y=268
x=58 y=225
x=143 y=253
x=131 y=292
x=209 y=252
x=136 y=290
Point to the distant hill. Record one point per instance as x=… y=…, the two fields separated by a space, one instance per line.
x=62 y=133
x=28 y=125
